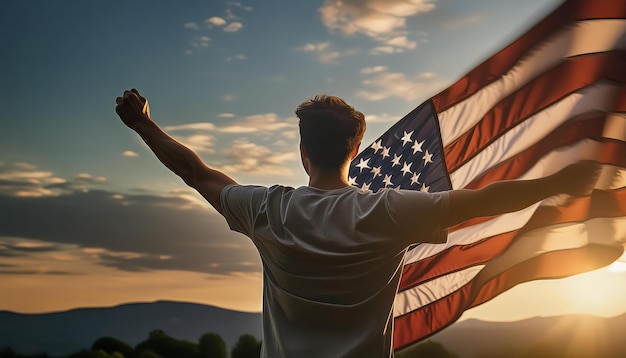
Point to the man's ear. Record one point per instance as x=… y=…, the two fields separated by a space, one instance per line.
x=355 y=152
x=304 y=157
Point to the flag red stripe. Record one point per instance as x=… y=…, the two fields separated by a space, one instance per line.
x=503 y=61
x=430 y=319
x=613 y=152
x=620 y=105
x=601 y=204
x=540 y=93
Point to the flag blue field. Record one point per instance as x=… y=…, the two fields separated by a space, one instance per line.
x=553 y=97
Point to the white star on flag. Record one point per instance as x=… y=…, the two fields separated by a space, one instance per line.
x=406 y=138
x=417 y=147
x=363 y=164
x=377 y=146
x=406 y=168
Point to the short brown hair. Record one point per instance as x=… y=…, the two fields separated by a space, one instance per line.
x=330 y=130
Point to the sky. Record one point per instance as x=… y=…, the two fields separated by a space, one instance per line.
x=89 y=217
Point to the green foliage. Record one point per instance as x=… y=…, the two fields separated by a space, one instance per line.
x=246 y=347
x=148 y=354
x=211 y=345
x=93 y=354
x=428 y=349
x=112 y=345
x=168 y=347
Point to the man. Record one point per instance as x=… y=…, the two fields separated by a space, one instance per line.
x=333 y=254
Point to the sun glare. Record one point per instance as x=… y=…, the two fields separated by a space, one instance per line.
x=617 y=267
x=593 y=289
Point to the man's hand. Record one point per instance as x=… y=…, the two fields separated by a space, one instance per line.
x=132 y=108
x=578 y=179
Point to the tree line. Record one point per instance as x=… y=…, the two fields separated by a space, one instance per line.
x=210 y=345
x=160 y=345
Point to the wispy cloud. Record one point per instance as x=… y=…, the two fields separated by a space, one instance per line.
x=130 y=154
x=215 y=21
x=200 y=41
x=382 y=84
x=233 y=27
x=202 y=137
x=267 y=122
x=247 y=157
x=191 y=26
x=26 y=180
x=325 y=53
x=201 y=143
x=458 y=22
x=239 y=5
x=239 y=57
x=383 y=21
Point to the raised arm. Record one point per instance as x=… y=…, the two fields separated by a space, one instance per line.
x=508 y=196
x=134 y=111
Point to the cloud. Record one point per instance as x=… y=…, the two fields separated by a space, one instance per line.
x=268 y=122
x=214 y=21
x=381 y=20
x=56 y=235
x=203 y=126
x=459 y=22
x=26 y=180
x=247 y=157
x=200 y=41
x=383 y=84
x=242 y=155
x=324 y=52
x=85 y=178
x=239 y=57
x=129 y=153
x=380 y=118
x=240 y=5
x=258 y=122
x=201 y=143
x=373 y=69
x=191 y=26
x=233 y=27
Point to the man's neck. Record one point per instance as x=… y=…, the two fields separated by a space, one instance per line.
x=328 y=179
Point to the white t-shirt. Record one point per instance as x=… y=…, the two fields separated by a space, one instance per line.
x=332 y=261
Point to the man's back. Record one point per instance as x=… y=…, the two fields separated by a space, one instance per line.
x=332 y=261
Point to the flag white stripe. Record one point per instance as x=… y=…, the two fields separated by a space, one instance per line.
x=433 y=290
x=598 y=97
x=584 y=37
x=552 y=238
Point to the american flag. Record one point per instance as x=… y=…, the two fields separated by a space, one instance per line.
x=553 y=97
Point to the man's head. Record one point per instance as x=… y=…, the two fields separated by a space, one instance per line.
x=330 y=130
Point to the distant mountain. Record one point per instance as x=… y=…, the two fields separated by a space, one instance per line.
x=62 y=333
x=560 y=336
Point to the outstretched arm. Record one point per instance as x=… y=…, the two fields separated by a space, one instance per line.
x=508 y=196
x=134 y=111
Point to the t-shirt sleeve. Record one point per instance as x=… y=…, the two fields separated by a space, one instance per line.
x=241 y=205
x=421 y=215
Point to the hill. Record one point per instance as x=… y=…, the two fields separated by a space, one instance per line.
x=560 y=336
x=61 y=333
